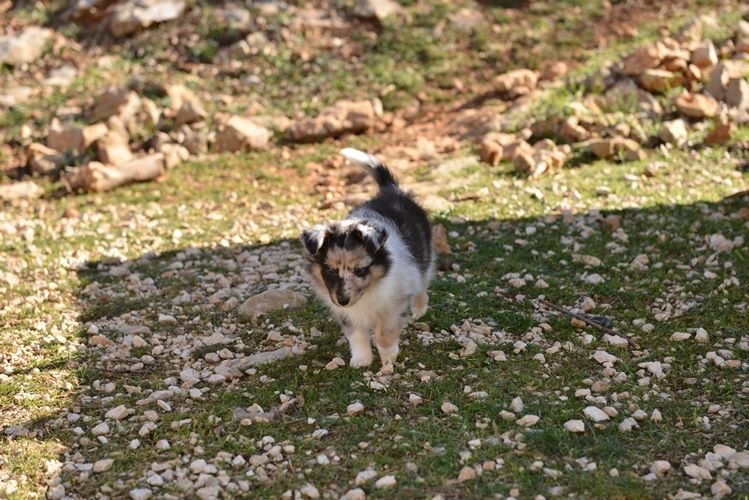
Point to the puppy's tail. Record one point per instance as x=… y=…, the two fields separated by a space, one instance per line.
x=374 y=167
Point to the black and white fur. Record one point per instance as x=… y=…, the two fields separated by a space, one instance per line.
x=374 y=266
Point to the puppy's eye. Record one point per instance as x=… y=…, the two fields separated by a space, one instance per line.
x=329 y=272
x=361 y=271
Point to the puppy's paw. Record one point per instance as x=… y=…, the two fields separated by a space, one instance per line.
x=388 y=355
x=361 y=359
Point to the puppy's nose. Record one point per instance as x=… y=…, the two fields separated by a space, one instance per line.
x=343 y=300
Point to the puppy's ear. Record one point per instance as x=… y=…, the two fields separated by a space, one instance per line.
x=373 y=235
x=313 y=239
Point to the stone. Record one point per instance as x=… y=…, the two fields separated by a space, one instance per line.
x=271 y=300
x=376 y=9
x=134 y=15
x=697 y=472
x=343 y=117
x=553 y=70
x=609 y=147
x=140 y=494
x=354 y=409
x=680 y=336
x=490 y=152
x=25 y=47
x=117 y=413
x=191 y=111
x=448 y=407
x=660 y=80
x=241 y=134
x=626 y=94
x=309 y=491
x=595 y=414
x=517 y=405
x=466 y=474
x=43 y=160
x=528 y=420
x=20 y=191
x=174 y=154
x=354 y=494
x=628 y=424
x=61 y=77
x=101 y=429
x=574 y=426
x=364 y=476
x=720 y=489
x=119 y=101
x=103 y=465
x=674 y=132
x=570 y=130
x=189 y=375
x=516 y=83
x=385 y=482
x=721 y=132
x=112 y=148
x=696 y=105
x=704 y=55
x=660 y=468
x=66 y=137
x=737 y=94
x=645 y=57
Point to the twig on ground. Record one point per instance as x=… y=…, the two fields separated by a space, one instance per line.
x=587 y=321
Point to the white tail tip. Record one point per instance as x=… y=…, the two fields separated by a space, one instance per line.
x=359 y=157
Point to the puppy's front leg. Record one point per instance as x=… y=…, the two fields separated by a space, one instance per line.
x=387 y=336
x=361 y=348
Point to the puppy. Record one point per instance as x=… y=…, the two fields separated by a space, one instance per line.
x=374 y=266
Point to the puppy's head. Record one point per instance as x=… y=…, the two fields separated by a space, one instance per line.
x=346 y=258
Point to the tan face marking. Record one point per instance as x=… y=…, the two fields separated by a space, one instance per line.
x=342 y=259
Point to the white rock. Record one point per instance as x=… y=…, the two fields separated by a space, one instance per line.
x=354 y=409
x=740 y=459
x=415 y=399
x=354 y=494
x=697 y=472
x=528 y=420
x=517 y=405
x=189 y=375
x=466 y=474
x=574 y=426
x=25 y=47
x=448 y=407
x=364 y=476
x=628 y=424
x=603 y=357
x=140 y=494
x=656 y=416
x=595 y=414
x=660 y=468
x=679 y=336
x=385 y=482
x=720 y=489
x=723 y=451
x=309 y=491
x=117 y=413
x=103 y=465
x=100 y=430
x=700 y=335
